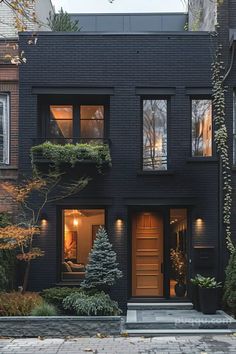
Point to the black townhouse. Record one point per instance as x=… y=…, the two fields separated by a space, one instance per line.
x=147 y=93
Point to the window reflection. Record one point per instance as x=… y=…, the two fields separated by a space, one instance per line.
x=61 y=121
x=92 y=122
x=154 y=134
x=201 y=128
x=178 y=252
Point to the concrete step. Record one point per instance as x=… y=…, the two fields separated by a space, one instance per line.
x=177 y=320
x=160 y=306
x=168 y=332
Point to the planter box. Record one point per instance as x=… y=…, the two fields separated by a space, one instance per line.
x=59 y=326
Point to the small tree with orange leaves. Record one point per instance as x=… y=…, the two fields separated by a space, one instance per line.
x=31 y=196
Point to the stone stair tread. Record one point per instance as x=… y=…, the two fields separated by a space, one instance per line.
x=156 y=332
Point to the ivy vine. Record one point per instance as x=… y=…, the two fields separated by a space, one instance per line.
x=221 y=140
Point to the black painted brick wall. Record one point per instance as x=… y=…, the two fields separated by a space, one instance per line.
x=125 y=62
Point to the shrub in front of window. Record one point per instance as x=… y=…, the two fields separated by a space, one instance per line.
x=55 y=296
x=102 y=270
x=84 y=304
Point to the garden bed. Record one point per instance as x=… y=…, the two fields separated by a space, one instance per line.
x=59 y=326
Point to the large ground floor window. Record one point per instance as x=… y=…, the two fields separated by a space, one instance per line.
x=79 y=228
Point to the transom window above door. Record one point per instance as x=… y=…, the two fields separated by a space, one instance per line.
x=67 y=122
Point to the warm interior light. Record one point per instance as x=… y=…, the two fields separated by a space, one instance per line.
x=76 y=222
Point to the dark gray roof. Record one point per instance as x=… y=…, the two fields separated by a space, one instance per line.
x=128 y=23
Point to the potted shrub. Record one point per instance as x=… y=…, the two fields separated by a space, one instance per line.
x=208 y=294
x=195 y=292
x=179 y=265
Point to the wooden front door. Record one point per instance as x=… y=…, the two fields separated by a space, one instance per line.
x=147 y=254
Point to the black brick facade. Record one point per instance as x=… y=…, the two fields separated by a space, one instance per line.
x=177 y=61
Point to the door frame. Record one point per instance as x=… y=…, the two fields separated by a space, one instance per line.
x=165 y=213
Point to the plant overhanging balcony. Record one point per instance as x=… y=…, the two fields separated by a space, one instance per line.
x=95 y=152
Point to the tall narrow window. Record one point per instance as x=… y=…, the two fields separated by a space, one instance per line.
x=61 y=121
x=154 y=135
x=4 y=129
x=92 y=122
x=201 y=128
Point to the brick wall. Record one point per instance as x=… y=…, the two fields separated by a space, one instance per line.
x=9 y=84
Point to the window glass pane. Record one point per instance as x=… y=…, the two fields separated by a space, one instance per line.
x=201 y=128
x=178 y=252
x=61 y=121
x=79 y=231
x=92 y=122
x=4 y=129
x=154 y=135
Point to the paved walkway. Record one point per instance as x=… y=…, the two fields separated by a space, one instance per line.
x=121 y=345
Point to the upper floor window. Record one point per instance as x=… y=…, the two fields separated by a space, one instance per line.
x=4 y=129
x=61 y=121
x=91 y=121
x=154 y=134
x=201 y=127
x=64 y=121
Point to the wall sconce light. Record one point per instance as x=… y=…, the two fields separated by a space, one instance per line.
x=119 y=218
x=199 y=219
x=44 y=218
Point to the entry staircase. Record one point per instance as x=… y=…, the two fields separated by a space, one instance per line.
x=153 y=319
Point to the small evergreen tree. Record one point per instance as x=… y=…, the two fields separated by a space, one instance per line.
x=230 y=284
x=61 y=22
x=102 y=269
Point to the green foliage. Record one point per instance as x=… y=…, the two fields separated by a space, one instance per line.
x=205 y=282
x=73 y=153
x=7 y=260
x=84 y=304
x=55 y=296
x=5 y=219
x=102 y=269
x=61 y=22
x=18 y=304
x=229 y=297
x=44 y=309
x=221 y=138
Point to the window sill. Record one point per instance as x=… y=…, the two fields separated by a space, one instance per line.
x=202 y=159
x=8 y=167
x=155 y=173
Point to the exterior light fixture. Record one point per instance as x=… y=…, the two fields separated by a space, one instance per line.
x=119 y=218
x=43 y=216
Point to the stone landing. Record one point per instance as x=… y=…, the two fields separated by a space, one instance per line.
x=153 y=319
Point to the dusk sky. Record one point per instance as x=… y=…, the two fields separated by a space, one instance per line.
x=92 y=6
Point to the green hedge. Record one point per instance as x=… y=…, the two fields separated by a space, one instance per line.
x=73 y=153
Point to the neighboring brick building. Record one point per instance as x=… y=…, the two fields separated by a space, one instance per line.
x=9 y=90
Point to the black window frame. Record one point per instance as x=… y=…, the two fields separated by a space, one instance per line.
x=71 y=100
x=212 y=156
x=167 y=98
